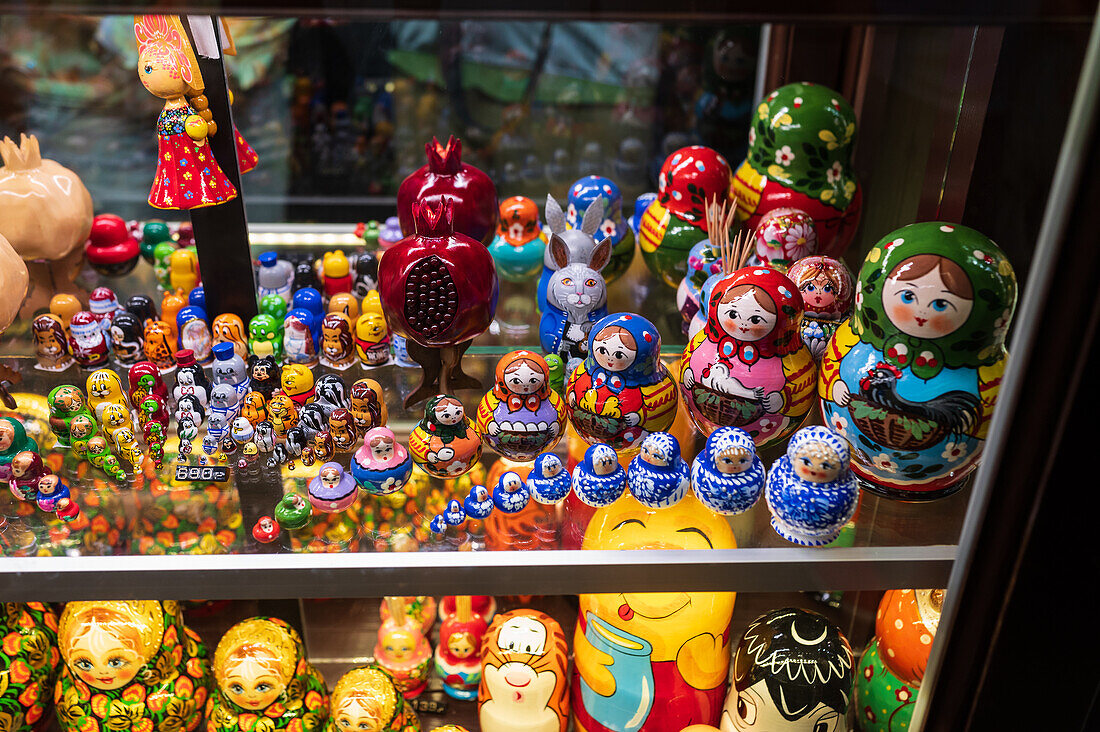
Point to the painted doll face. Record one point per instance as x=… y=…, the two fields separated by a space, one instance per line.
x=48 y=484
x=654 y=455
x=522 y=635
x=551 y=467
x=924 y=307
x=399 y=645
x=753 y=708
x=197 y=337
x=46 y=343
x=104 y=660
x=818 y=293
x=612 y=352
x=356 y=715
x=330 y=478
x=604 y=462
x=523 y=379
x=461 y=645
x=159 y=74
x=7 y=435
x=381 y=448
x=449 y=412
x=252 y=681
x=21 y=464
x=744 y=318
x=816 y=462
x=733 y=460
x=511 y=482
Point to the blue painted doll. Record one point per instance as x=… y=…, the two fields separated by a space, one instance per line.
x=728 y=475
x=599 y=479
x=658 y=476
x=549 y=481
x=511 y=494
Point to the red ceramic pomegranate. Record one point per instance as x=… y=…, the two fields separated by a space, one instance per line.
x=438 y=289
x=472 y=192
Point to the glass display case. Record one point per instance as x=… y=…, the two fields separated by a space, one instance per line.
x=978 y=122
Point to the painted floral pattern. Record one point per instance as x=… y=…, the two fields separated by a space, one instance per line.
x=29 y=662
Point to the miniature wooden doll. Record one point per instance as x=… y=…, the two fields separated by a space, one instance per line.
x=912 y=378
x=403 y=650
x=13 y=440
x=645 y=662
x=31 y=664
x=368 y=405
x=582 y=194
x=524 y=675
x=51 y=346
x=704 y=260
x=445 y=443
x=229 y=328
x=264 y=681
x=792 y=671
x=127 y=338
x=183 y=270
x=335 y=273
x=104 y=387
x=784 y=236
x=26 y=470
x=748 y=367
x=82 y=428
x=274 y=276
x=341 y=427
x=365 y=699
x=332 y=490
x=263 y=375
x=691 y=179
x=549 y=481
x=421 y=608
x=64 y=402
x=297 y=383
x=283 y=414
x=293 y=512
x=140 y=386
x=622 y=390
x=111 y=248
x=330 y=394
x=187 y=175
x=811 y=493
x=510 y=494
x=298 y=344
x=728 y=476
x=346 y=303
x=160 y=345
x=599 y=479
x=86 y=341
x=800 y=151
x=458 y=655
x=127 y=445
x=827 y=292
x=194 y=334
x=521 y=417
x=135 y=658
x=381 y=465
x=337 y=343
x=372 y=334
x=115 y=417
x=253 y=407
x=265 y=337
x=519 y=243
x=658 y=476
x=229 y=368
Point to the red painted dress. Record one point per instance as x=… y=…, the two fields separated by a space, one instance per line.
x=247 y=159
x=188 y=176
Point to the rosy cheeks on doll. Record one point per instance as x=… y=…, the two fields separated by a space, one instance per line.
x=111 y=669
x=614 y=355
x=732 y=461
x=523 y=380
x=816 y=463
x=924 y=307
x=254 y=692
x=745 y=319
x=817 y=295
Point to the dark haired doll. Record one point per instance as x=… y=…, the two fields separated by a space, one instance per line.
x=127 y=338
x=264 y=373
x=305 y=275
x=366 y=274
x=792 y=671
x=331 y=394
x=192 y=407
x=141 y=307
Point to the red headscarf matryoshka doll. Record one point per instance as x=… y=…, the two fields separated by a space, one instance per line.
x=622 y=390
x=521 y=416
x=748 y=367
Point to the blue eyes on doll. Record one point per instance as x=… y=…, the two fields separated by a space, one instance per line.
x=940 y=305
x=907 y=296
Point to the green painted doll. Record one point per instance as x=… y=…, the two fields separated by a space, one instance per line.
x=29 y=661
x=130 y=665
x=65 y=403
x=13 y=440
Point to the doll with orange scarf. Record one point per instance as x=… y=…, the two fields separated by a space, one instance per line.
x=187 y=175
x=521 y=416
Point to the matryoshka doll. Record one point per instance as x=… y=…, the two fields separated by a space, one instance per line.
x=194 y=333
x=127 y=338
x=65 y=403
x=187 y=174
x=800 y=152
x=30 y=663
x=912 y=378
x=368 y=405
x=298 y=345
x=792 y=671
x=372 y=334
x=160 y=345
x=264 y=681
x=622 y=390
x=521 y=417
x=728 y=476
x=86 y=341
x=524 y=675
x=403 y=650
x=229 y=328
x=652 y=662
x=51 y=347
x=827 y=291
x=381 y=465
x=365 y=699
x=135 y=658
x=445 y=443
x=519 y=244
x=582 y=194
x=104 y=387
x=13 y=440
x=784 y=236
x=458 y=655
x=337 y=343
x=421 y=608
x=748 y=367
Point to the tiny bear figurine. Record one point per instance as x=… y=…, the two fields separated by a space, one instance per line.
x=332 y=490
x=264 y=375
x=297 y=382
x=365 y=699
x=658 y=476
x=521 y=417
x=510 y=494
x=381 y=465
x=458 y=655
x=599 y=479
x=827 y=292
x=728 y=475
x=403 y=650
x=811 y=493
x=549 y=481
x=622 y=390
x=445 y=443
x=792 y=671
x=372 y=333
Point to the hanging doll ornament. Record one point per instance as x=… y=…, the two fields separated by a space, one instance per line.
x=911 y=379
x=521 y=417
x=365 y=699
x=403 y=650
x=445 y=443
x=439 y=290
x=827 y=291
x=519 y=243
x=658 y=476
x=187 y=175
x=748 y=367
x=622 y=391
x=728 y=475
x=800 y=157
x=458 y=655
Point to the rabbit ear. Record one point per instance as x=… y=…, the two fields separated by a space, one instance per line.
x=593 y=216
x=559 y=251
x=601 y=255
x=555 y=216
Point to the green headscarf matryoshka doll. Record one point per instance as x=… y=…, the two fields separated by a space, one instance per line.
x=130 y=664
x=264 y=682
x=13 y=440
x=29 y=661
x=911 y=379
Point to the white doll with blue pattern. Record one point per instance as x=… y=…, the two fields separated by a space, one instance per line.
x=811 y=492
x=549 y=480
x=728 y=475
x=599 y=479
x=511 y=494
x=658 y=477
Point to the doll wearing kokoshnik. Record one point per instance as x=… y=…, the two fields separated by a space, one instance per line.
x=911 y=379
x=30 y=662
x=365 y=699
x=130 y=665
x=264 y=682
x=508 y=417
